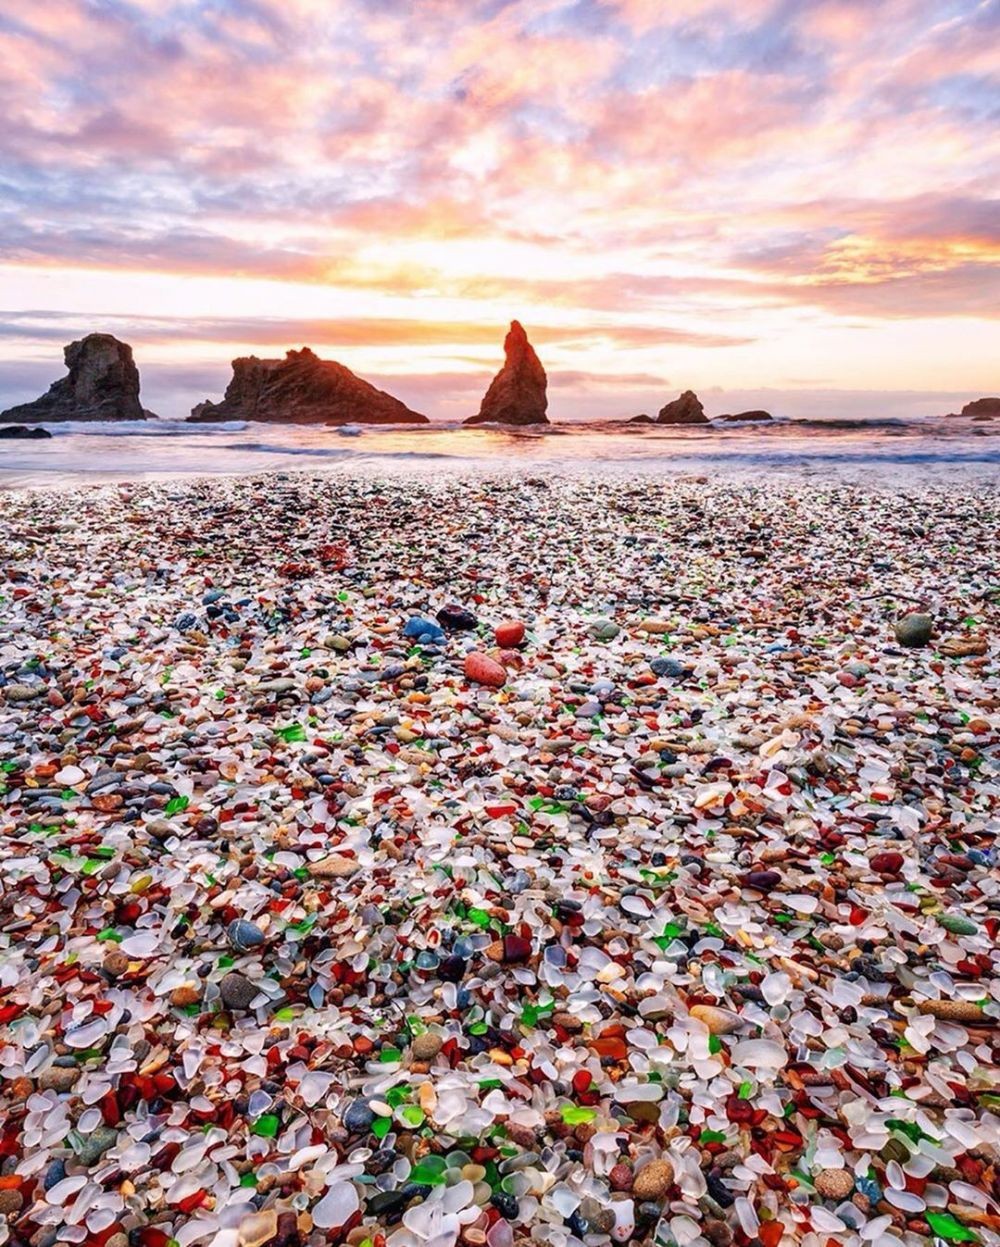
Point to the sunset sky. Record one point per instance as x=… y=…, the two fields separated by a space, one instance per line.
x=777 y=202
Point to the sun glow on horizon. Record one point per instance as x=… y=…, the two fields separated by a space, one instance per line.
x=668 y=196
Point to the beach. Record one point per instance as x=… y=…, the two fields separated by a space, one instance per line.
x=423 y=857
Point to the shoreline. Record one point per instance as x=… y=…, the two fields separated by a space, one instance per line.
x=308 y=929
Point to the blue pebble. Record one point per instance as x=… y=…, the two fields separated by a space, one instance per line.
x=424 y=630
x=358 y=1117
x=54 y=1173
x=244 y=935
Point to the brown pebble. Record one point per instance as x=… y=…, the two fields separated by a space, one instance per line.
x=426 y=1047
x=186 y=994
x=653 y=1181
x=834 y=1183
x=58 y=1078
x=115 y=963
x=620 y=1178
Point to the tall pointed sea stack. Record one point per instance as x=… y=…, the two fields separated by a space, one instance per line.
x=103 y=384
x=517 y=393
x=302 y=389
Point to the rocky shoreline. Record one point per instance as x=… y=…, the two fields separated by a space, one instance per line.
x=412 y=861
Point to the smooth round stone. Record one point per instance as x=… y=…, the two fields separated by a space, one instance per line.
x=834 y=1183
x=509 y=634
x=718 y=1021
x=334 y=867
x=604 y=630
x=237 y=991
x=426 y=1047
x=653 y=1180
x=358 y=1117
x=481 y=669
x=914 y=630
x=667 y=666
x=244 y=935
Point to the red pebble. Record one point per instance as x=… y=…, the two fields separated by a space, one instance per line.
x=509 y=633
x=887 y=863
x=482 y=669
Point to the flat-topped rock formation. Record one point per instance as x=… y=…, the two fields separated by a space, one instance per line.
x=302 y=389
x=103 y=384
x=746 y=417
x=517 y=393
x=979 y=409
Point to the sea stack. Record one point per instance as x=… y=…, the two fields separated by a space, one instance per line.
x=517 y=393
x=103 y=384
x=979 y=409
x=302 y=389
x=684 y=410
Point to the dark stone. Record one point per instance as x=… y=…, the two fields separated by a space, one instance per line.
x=302 y=389
x=457 y=618
x=980 y=409
x=103 y=384
x=237 y=991
x=21 y=432
x=358 y=1117
x=747 y=417
x=517 y=393
x=684 y=410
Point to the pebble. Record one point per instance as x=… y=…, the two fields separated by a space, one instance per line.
x=509 y=634
x=914 y=630
x=244 y=935
x=334 y=867
x=718 y=1021
x=654 y=1180
x=481 y=669
x=834 y=1183
x=425 y=1047
x=237 y=991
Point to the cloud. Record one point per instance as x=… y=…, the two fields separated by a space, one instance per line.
x=629 y=176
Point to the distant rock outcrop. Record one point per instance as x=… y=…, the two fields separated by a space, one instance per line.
x=640 y=419
x=21 y=432
x=980 y=409
x=747 y=417
x=302 y=389
x=517 y=393
x=103 y=384
x=684 y=410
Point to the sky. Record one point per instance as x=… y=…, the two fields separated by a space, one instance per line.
x=783 y=203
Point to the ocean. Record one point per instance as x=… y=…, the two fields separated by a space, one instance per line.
x=880 y=452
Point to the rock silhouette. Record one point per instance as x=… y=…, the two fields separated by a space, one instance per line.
x=747 y=417
x=517 y=393
x=21 y=432
x=103 y=384
x=684 y=410
x=302 y=389
x=980 y=409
